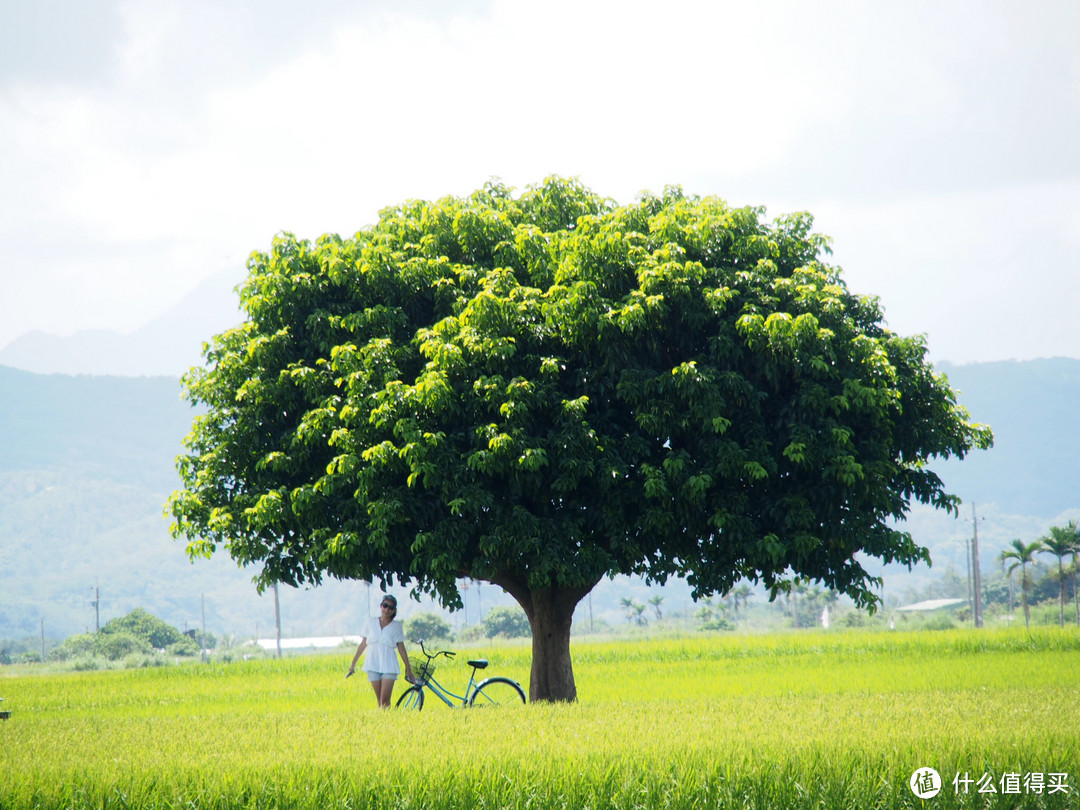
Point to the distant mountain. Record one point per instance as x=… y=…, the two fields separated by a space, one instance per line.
x=87 y=464
x=86 y=467
x=168 y=345
x=127 y=429
x=1028 y=481
x=1032 y=407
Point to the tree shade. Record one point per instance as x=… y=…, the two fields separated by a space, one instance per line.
x=545 y=389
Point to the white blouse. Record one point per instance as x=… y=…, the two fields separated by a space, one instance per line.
x=381 y=655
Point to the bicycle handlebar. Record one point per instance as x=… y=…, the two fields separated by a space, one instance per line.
x=423 y=649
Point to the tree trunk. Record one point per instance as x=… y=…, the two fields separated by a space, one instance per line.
x=1008 y=619
x=1076 y=591
x=551 y=612
x=1024 y=585
x=1061 y=593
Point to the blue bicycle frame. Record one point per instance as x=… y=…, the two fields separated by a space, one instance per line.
x=491 y=691
x=445 y=694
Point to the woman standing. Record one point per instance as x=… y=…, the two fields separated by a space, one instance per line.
x=383 y=634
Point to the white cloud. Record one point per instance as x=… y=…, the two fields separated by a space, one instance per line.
x=987 y=275
x=406 y=107
x=207 y=134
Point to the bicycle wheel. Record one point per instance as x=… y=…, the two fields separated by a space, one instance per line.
x=413 y=698
x=498 y=692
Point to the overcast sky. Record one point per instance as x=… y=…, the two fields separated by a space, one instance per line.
x=147 y=145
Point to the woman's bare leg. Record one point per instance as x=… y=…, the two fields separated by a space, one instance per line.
x=385 y=691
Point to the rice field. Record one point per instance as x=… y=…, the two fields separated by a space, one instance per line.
x=823 y=720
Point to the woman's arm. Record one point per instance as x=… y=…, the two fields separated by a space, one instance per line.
x=405 y=657
x=359 y=651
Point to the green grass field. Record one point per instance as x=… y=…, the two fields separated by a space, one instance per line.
x=779 y=721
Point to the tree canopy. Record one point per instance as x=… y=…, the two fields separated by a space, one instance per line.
x=543 y=389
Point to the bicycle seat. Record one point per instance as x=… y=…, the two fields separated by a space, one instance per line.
x=479 y=664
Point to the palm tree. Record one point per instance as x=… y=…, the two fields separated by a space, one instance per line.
x=740 y=595
x=729 y=600
x=705 y=612
x=1022 y=555
x=656 y=601
x=798 y=588
x=1074 y=572
x=633 y=610
x=1075 y=567
x=1008 y=615
x=1061 y=542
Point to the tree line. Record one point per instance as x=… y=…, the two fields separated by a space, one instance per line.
x=1060 y=542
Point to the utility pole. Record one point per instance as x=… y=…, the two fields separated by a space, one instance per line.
x=971 y=600
x=976 y=576
x=202 y=641
x=97 y=609
x=277 y=619
x=43 y=641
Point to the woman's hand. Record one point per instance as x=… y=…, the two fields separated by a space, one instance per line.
x=351 y=672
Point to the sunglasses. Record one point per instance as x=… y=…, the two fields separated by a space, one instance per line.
x=389 y=606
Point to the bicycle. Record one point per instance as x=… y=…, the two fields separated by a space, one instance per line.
x=492 y=691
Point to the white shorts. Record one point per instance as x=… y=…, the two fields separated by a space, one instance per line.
x=382 y=676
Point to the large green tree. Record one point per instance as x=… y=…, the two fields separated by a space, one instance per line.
x=545 y=389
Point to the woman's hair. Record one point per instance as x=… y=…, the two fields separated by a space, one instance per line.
x=391 y=598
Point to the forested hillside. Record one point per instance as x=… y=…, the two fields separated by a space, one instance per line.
x=1032 y=406
x=127 y=428
x=86 y=465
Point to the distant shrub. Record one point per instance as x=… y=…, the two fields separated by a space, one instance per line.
x=507 y=622
x=719 y=623
x=114 y=646
x=429 y=627
x=143 y=661
x=137 y=633
x=81 y=644
x=939 y=621
x=140 y=624
x=467 y=635
x=853 y=618
x=184 y=647
x=88 y=663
